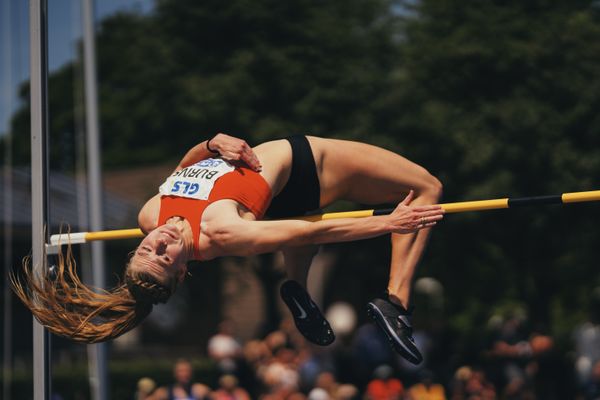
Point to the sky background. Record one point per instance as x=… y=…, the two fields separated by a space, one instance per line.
x=64 y=30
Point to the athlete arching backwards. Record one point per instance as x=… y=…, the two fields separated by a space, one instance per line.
x=225 y=198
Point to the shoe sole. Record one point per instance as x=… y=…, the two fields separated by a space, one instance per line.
x=377 y=316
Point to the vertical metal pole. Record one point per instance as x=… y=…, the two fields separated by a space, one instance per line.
x=38 y=58
x=8 y=210
x=98 y=353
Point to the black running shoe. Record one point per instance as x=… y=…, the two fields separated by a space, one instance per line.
x=307 y=316
x=395 y=323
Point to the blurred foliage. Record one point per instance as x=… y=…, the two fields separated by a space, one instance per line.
x=497 y=98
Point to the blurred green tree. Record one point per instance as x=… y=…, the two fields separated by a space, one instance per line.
x=259 y=70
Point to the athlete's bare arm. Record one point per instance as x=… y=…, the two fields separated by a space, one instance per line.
x=240 y=237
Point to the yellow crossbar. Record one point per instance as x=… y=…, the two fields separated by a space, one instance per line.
x=463 y=206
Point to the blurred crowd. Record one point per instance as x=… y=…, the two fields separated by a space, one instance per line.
x=512 y=362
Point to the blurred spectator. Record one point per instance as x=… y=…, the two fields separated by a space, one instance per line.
x=145 y=387
x=256 y=353
x=319 y=394
x=592 y=390
x=384 y=386
x=284 y=367
x=279 y=375
x=224 y=349
x=587 y=342
x=426 y=389
x=551 y=374
x=479 y=387
x=347 y=391
x=327 y=382
x=458 y=384
x=313 y=362
x=296 y=396
x=471 y=384
x=229 y=390
x=182 y=388
x=528 y=365
x=370 y=350
x=510 y=352
x=276 y=340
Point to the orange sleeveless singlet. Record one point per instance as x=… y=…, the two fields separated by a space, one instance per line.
x=242 y=184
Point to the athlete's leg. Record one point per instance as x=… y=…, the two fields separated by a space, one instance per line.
x=297 y=262
x=299 y=193
x=372 y=175
x=368 y=174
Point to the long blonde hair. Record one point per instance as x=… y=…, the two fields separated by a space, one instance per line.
x=67 y=307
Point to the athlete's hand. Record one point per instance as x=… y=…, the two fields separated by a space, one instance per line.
x=234 y=149
x=406 y=218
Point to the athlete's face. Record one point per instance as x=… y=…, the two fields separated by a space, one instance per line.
x=162 y=253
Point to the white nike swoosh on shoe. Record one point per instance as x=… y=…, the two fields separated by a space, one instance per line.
x=302 y=312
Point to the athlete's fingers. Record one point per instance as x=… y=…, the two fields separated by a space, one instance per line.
x=427 y=218
x=230 y=156
x=431 y=213
x=435 y=207
x=236 y=149
x=429 y=224
x=408 y=198
x=250 y=158
x=233 y=149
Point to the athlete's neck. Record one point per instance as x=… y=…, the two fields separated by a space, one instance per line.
x=187 y=234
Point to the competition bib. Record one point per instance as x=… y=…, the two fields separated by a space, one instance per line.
x=195 y=181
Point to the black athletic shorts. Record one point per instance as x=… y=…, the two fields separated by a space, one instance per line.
x=301 y=194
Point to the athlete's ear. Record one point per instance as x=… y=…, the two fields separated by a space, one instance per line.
x=181 y=272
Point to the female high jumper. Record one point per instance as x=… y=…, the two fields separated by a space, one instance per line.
x=225 y=198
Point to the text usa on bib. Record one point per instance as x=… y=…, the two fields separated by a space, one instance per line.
x=195 y=181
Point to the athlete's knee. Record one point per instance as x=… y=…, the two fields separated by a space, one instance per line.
x=431 y=188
